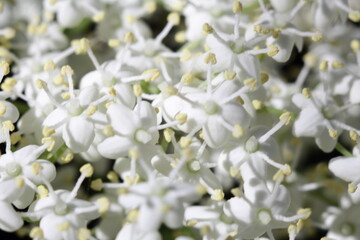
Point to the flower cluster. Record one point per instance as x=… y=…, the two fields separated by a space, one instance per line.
x=203 y=130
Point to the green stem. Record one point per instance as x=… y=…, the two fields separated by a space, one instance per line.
x=341 y=149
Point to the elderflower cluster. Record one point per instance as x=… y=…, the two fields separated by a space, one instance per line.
x=180 y=119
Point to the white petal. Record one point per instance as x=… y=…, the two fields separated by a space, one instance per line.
x=114 y=147
x=346 y=168
x=309 y=123
x=325 y=142
x=10 y=221
x=123 y=119
x=78 y=134
x=55 y=118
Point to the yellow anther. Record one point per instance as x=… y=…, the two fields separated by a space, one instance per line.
x=2 y=109
x=91 y=110
x=108 y=131
x=257 y=104
x=65 y=95
x=36 y=168
x=83 y=234
x=99 y=16
x=112 y=176
x=174 y=18
x=42 y=191
x=286 y=117
x=63 y=227
x=238 y=131
x=300 y=224
x=181 y=118
x=229 y=75
x=8 y=84
x=337 y=65
x=185 y=141
x=310 y=59
x=49 y=66
x=355 y=45
x=236 y=192
x=217 y=195
x=150 y=7
x=87 y=170
x=304 y=211
x=210 y=59
x=188 y=78
x=251 y=83
x=201 y=134
x=104 y=204
x=324 y=238
x=132 y=180
x=186 y=55
x=114 y=43
x=4 y=68
x=258 y=28
x=132 y=215
x=237 y=7
x=19 y=182
x=165 y=208
x=66 y=158
x=180 y=37
x=151 y=74
x=48 y=131
x=317 y=37
x=264 y=78
x=36 y=233
x=137 y=90
x=81 y=46
x=352 y=188
x=67 y=71
x=354 y=136
x=15 y=137
x=306 y=92
x=191 y=223
x=50 y=141
x=333 y=133
x=323 y=65
x=41 y=29
x=40 y=84
x=96 y=184
x=31 y=29
x=52 y=2
x=129 y=37
x=207 y=29
x=286 y=169
x=134 y=153
x=58 y=79
x=354 y=16
x=168 y=134
x=8 y=126
x=234 y=172
x=276 y=32
x=272 y=50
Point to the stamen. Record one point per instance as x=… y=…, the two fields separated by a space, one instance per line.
x=173 y=20
x=273 y=130
x=86 y=171
x=234 y=95
x=68 y=72
x=94 y=59
x=268 y=160
x=296 y=9
x=345 y=126
x=164 y=71
x=43 y=85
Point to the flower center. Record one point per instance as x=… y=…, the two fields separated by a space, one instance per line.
x=264 y=216
x=211 y=107
x=193 y=166
x=252 y=145
x=74 y=108
x=329 y=112
x=237 y=47
x=347 y=229
x=61 y=209
x=13 y=169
